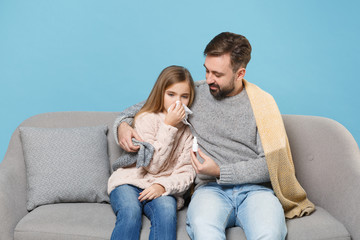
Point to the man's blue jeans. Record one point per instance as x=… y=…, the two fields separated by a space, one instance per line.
x=128 y=209
x=254 y=208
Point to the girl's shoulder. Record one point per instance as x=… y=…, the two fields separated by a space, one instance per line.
x=149 y=117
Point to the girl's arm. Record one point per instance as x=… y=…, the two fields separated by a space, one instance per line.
x=183 y=175
x=160 y=135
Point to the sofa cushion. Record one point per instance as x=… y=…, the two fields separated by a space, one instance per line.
x=67 y=221
x=65 y=164
x=320 y=225
x=94 y=221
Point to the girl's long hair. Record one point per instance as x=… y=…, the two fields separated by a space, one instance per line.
x=169 y=76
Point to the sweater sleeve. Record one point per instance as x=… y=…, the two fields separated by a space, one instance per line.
x=183 y=175
x=246 y=170
x=160 y=135
x=126 y=116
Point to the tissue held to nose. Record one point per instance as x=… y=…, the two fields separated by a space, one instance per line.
x=177 y=103
x=187 y=112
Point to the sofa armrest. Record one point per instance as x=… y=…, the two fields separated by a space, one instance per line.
x=327 y=165
x=12 y=188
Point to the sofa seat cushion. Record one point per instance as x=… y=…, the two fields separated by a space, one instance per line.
x=70 y=221
x=317 y=226
x=320 y=225
x=95 y=221
x=78 y=221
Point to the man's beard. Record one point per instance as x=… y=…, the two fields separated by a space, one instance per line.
x=220 y=94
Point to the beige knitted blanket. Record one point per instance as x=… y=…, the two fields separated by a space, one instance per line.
x=277 y=153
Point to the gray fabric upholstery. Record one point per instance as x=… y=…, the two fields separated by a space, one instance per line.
x=12 y=168
x=75 y=221
x=327 y=164
x=68 y=221
x=326 y=158
x=319 y=225
x=65 y=164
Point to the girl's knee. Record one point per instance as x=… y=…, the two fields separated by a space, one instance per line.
x=131 y=213
x=168 y=209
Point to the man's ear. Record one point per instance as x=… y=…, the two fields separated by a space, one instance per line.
x=240 y=73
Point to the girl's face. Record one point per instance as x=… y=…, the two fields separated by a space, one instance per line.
x=177 y=92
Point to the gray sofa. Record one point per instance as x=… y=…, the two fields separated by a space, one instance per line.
x=326 y=158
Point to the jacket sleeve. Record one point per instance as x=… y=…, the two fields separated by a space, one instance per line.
x=160 y=135
x=183 y=175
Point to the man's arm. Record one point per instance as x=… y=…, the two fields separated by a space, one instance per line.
x=251 y=171
x=246 y=170
x=123 y=132
x=208 y=167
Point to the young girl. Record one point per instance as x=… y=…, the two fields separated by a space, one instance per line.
x=157 y=189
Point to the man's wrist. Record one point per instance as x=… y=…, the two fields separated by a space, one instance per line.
x=129 y=121
x=123 y=124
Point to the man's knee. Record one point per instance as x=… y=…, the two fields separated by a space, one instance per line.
x=272 y=233
x=202 y=225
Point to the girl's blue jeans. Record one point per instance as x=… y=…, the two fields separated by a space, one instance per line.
x=254 y=208
x=128 y=209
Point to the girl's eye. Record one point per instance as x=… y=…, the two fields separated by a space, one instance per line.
x=185 y=97
x=170 y=94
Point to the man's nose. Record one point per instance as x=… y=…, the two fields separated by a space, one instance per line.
x=209 y=78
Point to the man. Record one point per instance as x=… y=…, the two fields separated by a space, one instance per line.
x=232 y=121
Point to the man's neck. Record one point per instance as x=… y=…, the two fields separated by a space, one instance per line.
x=237 y=90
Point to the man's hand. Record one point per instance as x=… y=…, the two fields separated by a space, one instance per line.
x=125 y=134
x=152 y=192
x=208 y=167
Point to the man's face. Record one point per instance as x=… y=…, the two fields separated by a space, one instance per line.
x=220 y=76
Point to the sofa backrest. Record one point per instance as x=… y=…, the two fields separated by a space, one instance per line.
x=323 y=150
x=325 y=156
x=314 y=141
x=70 y=120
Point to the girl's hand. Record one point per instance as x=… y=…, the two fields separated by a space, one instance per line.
x=152 y=192
x=175 y=115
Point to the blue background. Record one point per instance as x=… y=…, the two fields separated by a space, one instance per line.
x=84 y=55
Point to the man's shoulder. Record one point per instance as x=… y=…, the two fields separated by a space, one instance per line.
x=199 y=86
x=200 y=83
x=254 y=90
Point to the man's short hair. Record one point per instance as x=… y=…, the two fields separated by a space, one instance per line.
x=236 y=45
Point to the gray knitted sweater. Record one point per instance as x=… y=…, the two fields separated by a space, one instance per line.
x=226 y=131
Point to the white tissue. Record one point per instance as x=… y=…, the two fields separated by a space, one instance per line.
x=187 y=112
